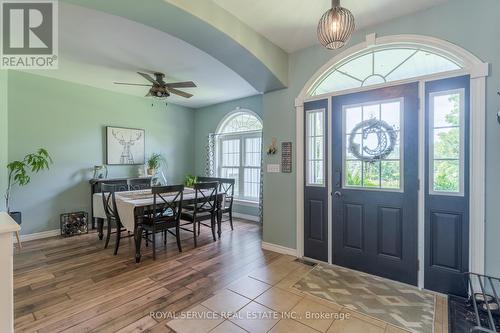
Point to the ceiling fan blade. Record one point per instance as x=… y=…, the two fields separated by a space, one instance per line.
x=187 y=84
x=149 y=78
x=133 y=84
x=180 y=93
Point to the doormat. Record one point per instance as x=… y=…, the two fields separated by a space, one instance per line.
x=402 y=305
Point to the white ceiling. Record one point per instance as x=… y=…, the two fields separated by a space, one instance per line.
x=96 y=49
x=291 y=24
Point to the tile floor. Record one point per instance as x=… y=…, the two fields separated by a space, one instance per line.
x=264 y=301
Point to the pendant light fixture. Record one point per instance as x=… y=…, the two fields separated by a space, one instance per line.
x=335 y=26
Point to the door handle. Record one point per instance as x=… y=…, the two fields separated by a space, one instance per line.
x=337 y=194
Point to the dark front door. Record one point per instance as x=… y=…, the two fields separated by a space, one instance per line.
x=447 y=185
x=375 y=181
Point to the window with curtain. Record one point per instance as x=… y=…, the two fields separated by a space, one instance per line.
x=239 y=147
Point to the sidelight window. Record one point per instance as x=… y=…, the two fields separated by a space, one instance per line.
x=446 y=137
x=315 y=150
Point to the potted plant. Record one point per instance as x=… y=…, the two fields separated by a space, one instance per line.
x=190 y=180
x=18 y=172
x=154 y=163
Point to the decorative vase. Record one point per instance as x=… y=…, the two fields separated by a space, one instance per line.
x=151 y=172
x=158 y=178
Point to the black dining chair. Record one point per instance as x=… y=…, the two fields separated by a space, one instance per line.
x=204 y=208
x=113 y=219
x=226 y=186
x=136 y=184
x=164 y=215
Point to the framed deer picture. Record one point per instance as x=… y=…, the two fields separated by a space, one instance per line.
x=125 y=146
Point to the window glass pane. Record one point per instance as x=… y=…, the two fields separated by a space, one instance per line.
x=386 y=60
x=353 y=173
x=422 y=63
x=234 y=174
x=251 y=182
x=241 y=122
x=336 y=82
x=372 y=153
x=315 y=147
x=252 y=152
x=446 y=176
x=371 y=174
x=352 y=118
x=447 y=143
x=383 y=66
x=390 y=174
x=231 y=152
x=447 y=110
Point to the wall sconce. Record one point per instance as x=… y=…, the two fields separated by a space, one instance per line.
x=272 y=149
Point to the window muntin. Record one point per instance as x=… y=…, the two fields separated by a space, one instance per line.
x=382 y=173
x=446 y=142
x=239 y=154
x=240 y=122
x=315 y=147
x=381 y=66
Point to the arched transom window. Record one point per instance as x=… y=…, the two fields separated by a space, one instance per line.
x=381 y=66
x=239 y=141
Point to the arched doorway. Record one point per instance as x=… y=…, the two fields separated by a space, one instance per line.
x=379 y=65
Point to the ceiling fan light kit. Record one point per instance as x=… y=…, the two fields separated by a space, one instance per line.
x=335 y=26
x=159 y=89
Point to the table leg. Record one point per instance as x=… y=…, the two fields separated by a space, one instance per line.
x=219 y=217
x=138 y=239
x=100 y=225
x=93 y=223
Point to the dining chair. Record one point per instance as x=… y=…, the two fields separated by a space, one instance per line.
x=164 y=215
x=204 y=208
x=109 y=202
x=226 y=186
x=136 y=184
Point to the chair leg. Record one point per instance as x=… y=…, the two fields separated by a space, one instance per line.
x=147 y=238
x=108 y=234
x=165 y=237
x=118 y=236
x=199 y=227
x=212 y=226
x=153 y=234
x=231 y=219
x=178 y=237
x=194 y=233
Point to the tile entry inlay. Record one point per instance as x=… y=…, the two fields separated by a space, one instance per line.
x=399 y=304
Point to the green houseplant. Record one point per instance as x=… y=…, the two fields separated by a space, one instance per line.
x=154 y=162
x=190 y=180
x=18 y=174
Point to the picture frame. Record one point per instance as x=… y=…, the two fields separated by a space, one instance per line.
x=125 y=146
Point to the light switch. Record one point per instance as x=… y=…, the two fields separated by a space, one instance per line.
x=273 y=168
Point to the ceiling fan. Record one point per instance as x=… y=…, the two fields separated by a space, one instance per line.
x=160 y=89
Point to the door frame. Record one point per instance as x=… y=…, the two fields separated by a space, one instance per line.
x=471 y=65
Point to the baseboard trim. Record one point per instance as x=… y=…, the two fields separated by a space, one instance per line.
x=39 y=235
x=279 y=249
x=246 y=217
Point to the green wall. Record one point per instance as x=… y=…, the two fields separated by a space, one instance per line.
x=473 y=25
x=3 y=136
x=69 y=119
x=206 y=121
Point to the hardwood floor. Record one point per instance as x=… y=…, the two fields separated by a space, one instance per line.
x=73 y=284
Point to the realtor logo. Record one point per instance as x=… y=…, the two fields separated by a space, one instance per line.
x=29 y=34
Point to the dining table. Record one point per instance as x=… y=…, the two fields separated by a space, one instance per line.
x=132 y=205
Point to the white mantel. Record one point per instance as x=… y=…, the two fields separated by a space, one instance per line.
x=7 y=227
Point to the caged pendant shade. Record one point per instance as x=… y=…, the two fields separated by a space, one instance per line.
x=335 y=26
